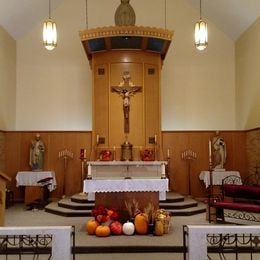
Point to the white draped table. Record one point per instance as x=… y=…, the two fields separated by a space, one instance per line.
x=217 y=176
x=126 y=185
x=31 y=178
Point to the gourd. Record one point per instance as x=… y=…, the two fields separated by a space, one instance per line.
x=103 y=231
x=159 y=228
x=128 y=228
x=141 y=223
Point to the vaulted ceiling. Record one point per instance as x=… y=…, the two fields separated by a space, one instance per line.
x=231 y=16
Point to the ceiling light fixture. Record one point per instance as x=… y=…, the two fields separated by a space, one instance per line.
x=201 y=34
x=49 y=32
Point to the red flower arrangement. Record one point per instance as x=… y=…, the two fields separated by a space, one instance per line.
x=147 y=154
x=105 y=215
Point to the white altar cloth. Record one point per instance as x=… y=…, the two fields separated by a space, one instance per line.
x=217 y=176
x=126 y=185
x=123 y=169
x=31 y=178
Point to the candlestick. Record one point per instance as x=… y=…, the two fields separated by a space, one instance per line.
x=163 y=176
x=114 y=153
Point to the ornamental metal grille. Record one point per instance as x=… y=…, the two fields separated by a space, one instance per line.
x=229 y=246
x=31 y=247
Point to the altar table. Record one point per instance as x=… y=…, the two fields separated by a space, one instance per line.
x=123 y=169
x=114 y=193
x=217 y=176
x=30 y=179
x=126 y=185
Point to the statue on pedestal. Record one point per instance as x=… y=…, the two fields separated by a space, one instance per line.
x=37 y=150
x=219 y=152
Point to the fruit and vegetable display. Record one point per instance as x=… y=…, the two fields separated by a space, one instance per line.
x=106 y=221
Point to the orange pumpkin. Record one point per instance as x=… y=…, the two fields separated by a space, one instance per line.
x=103 y=231
x=91 y=226
x=141 y=223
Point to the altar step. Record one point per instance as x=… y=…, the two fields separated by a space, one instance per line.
x=79 y=206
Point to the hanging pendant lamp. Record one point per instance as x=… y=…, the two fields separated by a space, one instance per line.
x=49 y=32
x=201 y=33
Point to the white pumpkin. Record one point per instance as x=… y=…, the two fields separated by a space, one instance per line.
x=128 y=228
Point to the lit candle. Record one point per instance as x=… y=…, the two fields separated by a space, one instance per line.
x=97 y=139
x=155 y=139
x=168 y=153
x=209 y=148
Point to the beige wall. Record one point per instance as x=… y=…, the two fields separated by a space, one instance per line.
x=7 y=80
x=54 y=88
x=248 y=79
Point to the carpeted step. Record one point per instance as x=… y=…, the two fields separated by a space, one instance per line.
x=66 y=212
x=68 y=208
x=170 y=197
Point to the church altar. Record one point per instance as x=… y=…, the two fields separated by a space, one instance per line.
x=126 y=169
x=93 y=187
x=115 y=193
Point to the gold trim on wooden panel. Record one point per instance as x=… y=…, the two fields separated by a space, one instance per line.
x=109 y=31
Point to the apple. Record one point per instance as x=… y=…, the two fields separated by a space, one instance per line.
x=116 y=228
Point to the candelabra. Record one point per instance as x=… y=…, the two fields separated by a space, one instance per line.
x=189 y=156
x=65 y=155
x=83 y=159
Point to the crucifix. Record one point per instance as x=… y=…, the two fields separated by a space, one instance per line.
x=126 y=89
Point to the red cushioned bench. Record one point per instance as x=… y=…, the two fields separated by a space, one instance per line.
x=238 y=200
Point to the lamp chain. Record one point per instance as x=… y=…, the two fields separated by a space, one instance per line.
x=86 y=14
x=200 y=9
x=49 y=9
x=165 y=7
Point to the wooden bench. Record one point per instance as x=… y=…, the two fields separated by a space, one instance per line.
x=239 y=201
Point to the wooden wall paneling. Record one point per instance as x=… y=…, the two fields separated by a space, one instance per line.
x=197 y=141
x=253 y=150
x=12 y=160
x=152 y=105
x=101 y=104
x=118 y=62
x=56 y=143
x=17 y=158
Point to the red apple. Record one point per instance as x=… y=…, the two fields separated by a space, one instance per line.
x=116 y=228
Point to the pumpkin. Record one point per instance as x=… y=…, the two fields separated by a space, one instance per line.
x=103 y=231
x=141 y=223
x=128 y=228
x=91 y=226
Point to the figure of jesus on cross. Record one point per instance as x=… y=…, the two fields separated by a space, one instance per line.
x=126 y=89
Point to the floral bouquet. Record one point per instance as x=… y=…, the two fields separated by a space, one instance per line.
x=105 y=215
x=147 y=154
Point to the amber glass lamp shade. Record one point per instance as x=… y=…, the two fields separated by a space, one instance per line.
x=201 y=35
x=49 y=34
